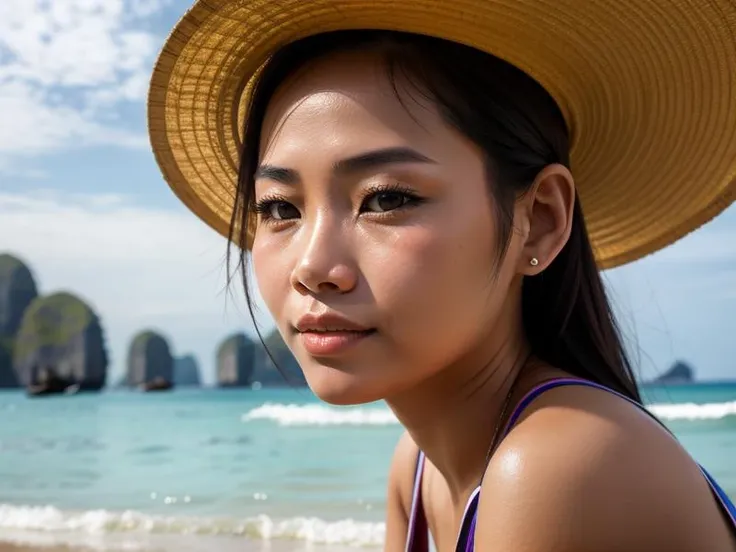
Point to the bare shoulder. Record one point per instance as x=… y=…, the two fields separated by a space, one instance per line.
x=403 y=469
x=585 y=470
x=399 y=493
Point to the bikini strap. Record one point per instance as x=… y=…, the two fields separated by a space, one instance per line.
x=560 y=382
x=725 y=503
x=418 y=532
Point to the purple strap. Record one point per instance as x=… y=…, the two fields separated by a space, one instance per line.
x=418 y=537
x=418 y=533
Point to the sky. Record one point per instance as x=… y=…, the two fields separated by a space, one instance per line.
x=83 y=203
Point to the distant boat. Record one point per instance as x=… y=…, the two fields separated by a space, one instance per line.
x=156 y=384
x=51 y=384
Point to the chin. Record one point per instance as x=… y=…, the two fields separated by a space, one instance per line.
x=340 y=388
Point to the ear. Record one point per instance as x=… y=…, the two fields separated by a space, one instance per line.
x=547 y=210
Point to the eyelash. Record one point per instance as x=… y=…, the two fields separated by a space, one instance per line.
x=263 y=206
x=394 y=188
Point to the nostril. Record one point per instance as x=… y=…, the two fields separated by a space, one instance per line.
x=329 y=286
x=338 y=278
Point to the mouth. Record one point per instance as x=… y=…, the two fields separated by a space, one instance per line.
x=331 y=339
x=333 y=342
x=328 y=322
x=330 y=334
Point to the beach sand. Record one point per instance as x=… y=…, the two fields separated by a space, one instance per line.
x=241 y=547
x=5 y=547
x=249 y=547
x=22 y=542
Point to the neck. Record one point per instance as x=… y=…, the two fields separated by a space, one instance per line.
x=454 y=417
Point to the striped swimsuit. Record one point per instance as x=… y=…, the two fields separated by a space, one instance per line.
x=418 y=535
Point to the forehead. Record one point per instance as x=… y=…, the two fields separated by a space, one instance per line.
x=348 y=96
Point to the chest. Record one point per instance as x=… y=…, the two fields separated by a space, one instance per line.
x=449 y=522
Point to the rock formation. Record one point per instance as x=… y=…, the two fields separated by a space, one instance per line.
x=149 y=360
x=17 y=291
x=679 y=373
x=8 y=379
x=186 y=371
x=286 y=372
x=235 y=357
x=60 y=333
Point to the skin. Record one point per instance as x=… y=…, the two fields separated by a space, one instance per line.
x=447 y=339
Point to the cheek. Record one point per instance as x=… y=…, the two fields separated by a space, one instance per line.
x=433 y=282
x=272 y=270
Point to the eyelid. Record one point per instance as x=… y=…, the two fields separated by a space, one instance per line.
x=267 y=199
x=262 y=206
x=262 y=209
x=394 y=188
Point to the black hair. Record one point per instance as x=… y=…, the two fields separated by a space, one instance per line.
x=566 y=314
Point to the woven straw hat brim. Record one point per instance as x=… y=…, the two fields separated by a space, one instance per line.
x=647 y=87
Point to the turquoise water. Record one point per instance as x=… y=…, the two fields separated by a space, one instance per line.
x=214 y=464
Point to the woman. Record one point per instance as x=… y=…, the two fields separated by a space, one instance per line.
x=418 y=234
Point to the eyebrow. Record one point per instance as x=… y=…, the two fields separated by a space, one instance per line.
x=364 y=161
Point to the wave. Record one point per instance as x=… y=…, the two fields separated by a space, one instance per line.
x=309 y=530
x=292 y=415
x=692 y=411
x=321 y=415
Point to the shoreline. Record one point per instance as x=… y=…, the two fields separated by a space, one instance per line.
x=17 y=548
x=266 y=547
x=32 y=541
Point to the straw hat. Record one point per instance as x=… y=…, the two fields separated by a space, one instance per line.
x=647 y=87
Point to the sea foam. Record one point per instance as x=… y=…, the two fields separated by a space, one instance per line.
x=292 y=415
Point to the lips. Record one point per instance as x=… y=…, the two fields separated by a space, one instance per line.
x=327 y=323
x=330 y=334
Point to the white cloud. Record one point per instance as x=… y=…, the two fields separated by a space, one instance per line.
x=138 y=267
x=64 y=67
x=32 y=125
x=84 y=43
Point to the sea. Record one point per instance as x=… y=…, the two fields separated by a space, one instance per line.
x=247 y=470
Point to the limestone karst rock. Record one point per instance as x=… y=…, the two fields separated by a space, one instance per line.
x=17 y=291
x=61 y=333
x=679 y=373
x=286 y=372
x=149 y=360
x=186 y=371
x=235 y=357
x=8 y=379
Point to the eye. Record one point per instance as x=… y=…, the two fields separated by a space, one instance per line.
x=276 y=209
x=382 y=202
x=281 y=210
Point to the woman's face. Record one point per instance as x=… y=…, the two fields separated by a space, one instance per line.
x=375 y=244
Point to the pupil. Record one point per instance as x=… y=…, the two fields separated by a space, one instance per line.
x=284 y=210
x=389 y=201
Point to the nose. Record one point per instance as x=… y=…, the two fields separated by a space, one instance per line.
x=325 y=264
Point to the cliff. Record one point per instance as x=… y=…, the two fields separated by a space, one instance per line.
x=8 y=379
x=186 y=371
x=679 y=373
x=235 y=357
x=62 y=333
x=286 y=372
x=17 y=291
x=149 y=359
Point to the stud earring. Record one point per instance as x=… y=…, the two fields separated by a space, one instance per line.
x=534 y=261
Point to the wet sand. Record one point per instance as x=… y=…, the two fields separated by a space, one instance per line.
x=17 y=548
x=272 y=548
x=179 y=544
